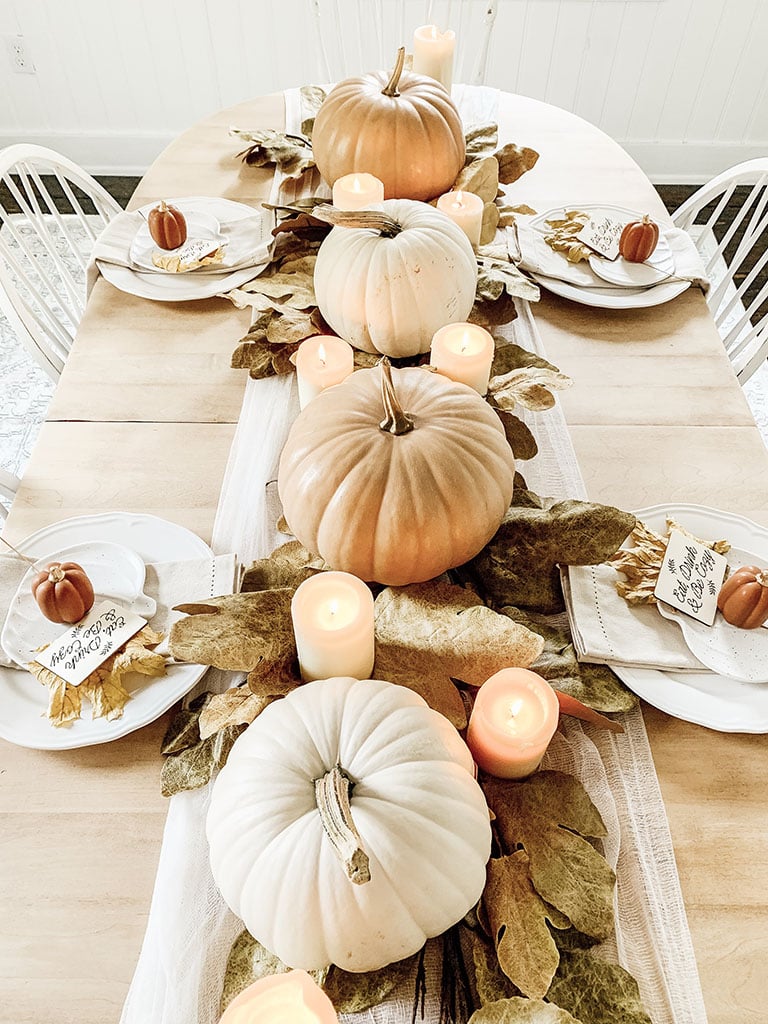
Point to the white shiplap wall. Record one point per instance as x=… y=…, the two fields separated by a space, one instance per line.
x=682 y=84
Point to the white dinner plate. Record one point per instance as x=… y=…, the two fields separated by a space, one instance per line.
x=23 y=699
x=162 y=287
x=608 y=297
x=706 y=698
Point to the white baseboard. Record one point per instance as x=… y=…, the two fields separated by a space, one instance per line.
x=125 y=153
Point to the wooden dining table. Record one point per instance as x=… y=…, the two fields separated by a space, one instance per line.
x=142 y=420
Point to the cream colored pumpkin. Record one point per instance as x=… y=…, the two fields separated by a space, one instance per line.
x=391 y=294
x=404 y=128
x=408 y=864
x=402 y=504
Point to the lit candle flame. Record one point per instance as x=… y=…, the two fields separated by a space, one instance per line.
x=515 y=707
x=465 y=339
x=458 y=200
x=321 y=353
x=433 y=33
x=356 y=186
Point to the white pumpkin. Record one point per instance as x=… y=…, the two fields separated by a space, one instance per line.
x=390 y=294
x=417 y=846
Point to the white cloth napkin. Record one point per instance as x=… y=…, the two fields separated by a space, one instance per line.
x=607 y=630
x=247 y=244
x=540 y=258
x=168 y=583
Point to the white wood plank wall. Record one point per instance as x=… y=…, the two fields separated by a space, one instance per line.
x=682 y=84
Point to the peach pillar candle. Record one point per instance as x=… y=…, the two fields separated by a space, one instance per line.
x=466 y=211
x=433 y=53
x=512 y=723
x=322 y=361
x=333 y=623
x=358 y=191
x=463 y=352
x=290 y=998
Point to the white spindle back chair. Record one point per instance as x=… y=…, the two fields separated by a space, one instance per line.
x=355 y=36
x=50 y=214
x=727 y=260
x=8 y=486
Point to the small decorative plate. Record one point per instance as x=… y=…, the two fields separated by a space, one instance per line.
x=740 y=654
x=115 y=572
x=659 y=266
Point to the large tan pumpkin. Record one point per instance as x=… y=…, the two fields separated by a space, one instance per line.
x=404 y=128
x=389 y=290
x=396 y=497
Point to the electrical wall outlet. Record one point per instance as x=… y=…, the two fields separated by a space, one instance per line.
x=19 y=55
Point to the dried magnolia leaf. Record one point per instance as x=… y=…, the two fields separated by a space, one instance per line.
x=481 y=177
x=514 y=161
x=519 y=565
x=491 y=983
x=490 y=223
x=184 y=728
x=517 y=918
x=311 y=98
x=495 y=278
x=287 y=566
x=194 y=766
x=430 y=633
x=365 y=360
x=509 y=357
x=303 y=225
x=594 y=685
x=529 y=386
x=104 y=686
x=236 y=706
x=291 y=283
x=176 y=265
x=238 y=632
x=508 y=214
x=548 y=815
x=641 y=563
x=600 y=992
x=524 y=1011
x=521 y=440
x=291 y=153
x=481 y=140
x=561 y=235
x=273 y=339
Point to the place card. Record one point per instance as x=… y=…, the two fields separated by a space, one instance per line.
x=691 y=577
x=84 y=646
x=603 y=235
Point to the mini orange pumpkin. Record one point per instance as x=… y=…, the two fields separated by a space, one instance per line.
x=63 y=592
x=743 y=598
x=639 y=239
x=167 y=226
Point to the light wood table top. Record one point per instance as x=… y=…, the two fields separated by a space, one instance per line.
x=143 y=419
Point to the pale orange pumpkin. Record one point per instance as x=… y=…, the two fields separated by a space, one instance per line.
x=639 y=239
x=743 y=598
x=167 y=226
x=403 y=127
x=390 y=495
x=63 y=592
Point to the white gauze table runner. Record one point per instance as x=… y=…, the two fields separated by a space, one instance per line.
x=179 y=976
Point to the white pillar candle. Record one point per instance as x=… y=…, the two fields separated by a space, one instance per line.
x=463 y=352
x=333 y=623
x=466 y=211
x=322 y=361
x=358 y=192
x=433 y=53
x=512 y=723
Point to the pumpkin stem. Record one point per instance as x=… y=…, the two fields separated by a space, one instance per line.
x=762 y=578
x=56 y=574
x=332 y=797
x=396 y=421
x=376 y=220
x=390 y=89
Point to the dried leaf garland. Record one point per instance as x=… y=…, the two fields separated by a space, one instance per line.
x=312 y=98
x=194 y=766
x=548 y=816
x=600 y=992
x=104 y=686
x=517 y=918
x=481 y=177
x=287 y=566
x=491 y=983
x=428 y=634
x=249 y=961
x=561 y=235
x=496 y=277
x=521 y=440
x=524 y=1011
x=489 y=223
x=236 y=706
x=481 y=140
x=530 y=386
x=292 y=154
x=514 y=161
x=273 y=339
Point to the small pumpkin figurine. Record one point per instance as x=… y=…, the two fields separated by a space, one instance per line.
x=743 y=598
x=396 y=475
x=346 y=826
x=403 y=127
x=63 y=592
x=167 y=226
x=639 y=239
